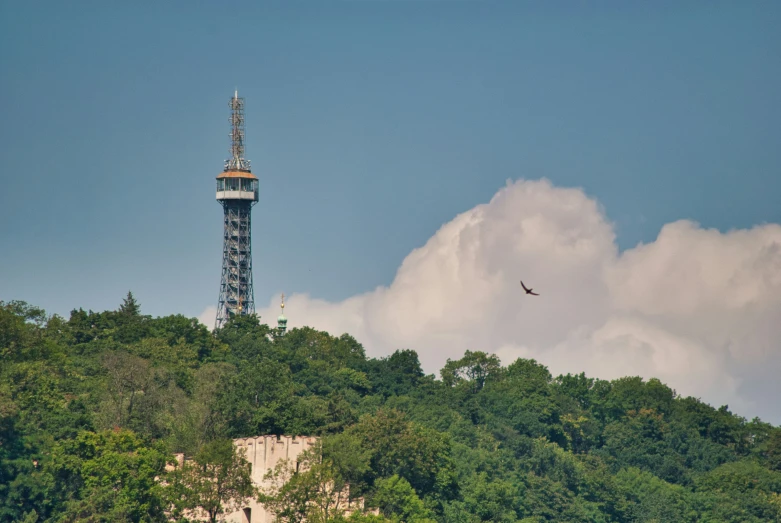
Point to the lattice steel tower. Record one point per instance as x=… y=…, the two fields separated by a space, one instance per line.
x=237 y=191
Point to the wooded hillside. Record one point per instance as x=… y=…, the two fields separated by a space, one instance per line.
x=93 y=406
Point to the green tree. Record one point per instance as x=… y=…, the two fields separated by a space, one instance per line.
x=650 y=499
x=216 y=481
x=398 y=446
x=312 y=489
x=201 y=418
x=129 y=379
x=395 y=375
x=474 y=369
x=259 y=399
x=525 y=398
x=107 y=476
x=398 y=501
x=772 y=451
x=740 y=491
x=639 y=441
x=130 y=306
x=178 y=329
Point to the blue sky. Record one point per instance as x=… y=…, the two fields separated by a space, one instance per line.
x=369 y=124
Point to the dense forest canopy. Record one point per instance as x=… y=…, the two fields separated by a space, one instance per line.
x=93 y=407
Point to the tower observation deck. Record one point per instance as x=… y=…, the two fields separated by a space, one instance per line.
x=237 y=192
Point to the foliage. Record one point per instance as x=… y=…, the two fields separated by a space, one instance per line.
x=312 y=489
x=106 y=476
x=215 y=482
x=92 y=407
x=398 y=501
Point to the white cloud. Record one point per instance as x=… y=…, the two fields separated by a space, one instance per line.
x=207 y=317
x=696 y=308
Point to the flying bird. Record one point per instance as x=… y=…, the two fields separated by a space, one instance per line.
x=528 y=291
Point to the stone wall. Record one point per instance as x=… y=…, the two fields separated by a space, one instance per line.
x=263 y=453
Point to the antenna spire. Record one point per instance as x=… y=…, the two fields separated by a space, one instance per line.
x=237 y=162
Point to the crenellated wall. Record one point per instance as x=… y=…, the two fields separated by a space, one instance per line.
x=263 y=453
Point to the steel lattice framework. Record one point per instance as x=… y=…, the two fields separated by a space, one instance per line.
x=237 y=162
x=236 y=293
x=237 y=191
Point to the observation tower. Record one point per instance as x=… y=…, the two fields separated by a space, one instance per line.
x=237 y=192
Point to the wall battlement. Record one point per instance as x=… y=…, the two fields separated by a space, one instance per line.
x=264 y=452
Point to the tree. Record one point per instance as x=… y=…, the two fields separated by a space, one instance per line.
x=20 y=330
x=772 y=452
x=398 y=501
x=396 y=374
x=259 y=399
x=399 y=446
x=524 y=397
x=130 y=324
x=201 y=420
x=310 y=490
x=215 y=482
x=740 y=491
x=107 y=476
x=130 y=306
x=129 y=377
x=474 y=368
x=177 y=329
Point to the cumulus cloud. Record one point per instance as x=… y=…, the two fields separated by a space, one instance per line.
x=207 y=317
x=697 y=308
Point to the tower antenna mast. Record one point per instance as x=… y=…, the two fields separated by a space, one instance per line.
x=237 y=162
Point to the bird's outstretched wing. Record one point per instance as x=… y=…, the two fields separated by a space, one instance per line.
x=533 y=293
x=524 y=286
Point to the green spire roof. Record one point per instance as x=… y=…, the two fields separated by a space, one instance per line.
x=281 y=320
